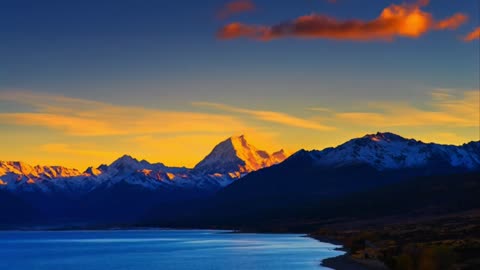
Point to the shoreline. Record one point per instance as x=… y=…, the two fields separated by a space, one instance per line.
x=344 y=261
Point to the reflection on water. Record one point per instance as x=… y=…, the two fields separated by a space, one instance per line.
x=159 y=249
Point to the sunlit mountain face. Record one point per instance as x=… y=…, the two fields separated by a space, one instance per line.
x=236 y=156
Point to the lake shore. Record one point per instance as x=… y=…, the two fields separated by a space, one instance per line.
x=345 y=261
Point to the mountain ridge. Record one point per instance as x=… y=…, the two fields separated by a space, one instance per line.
x=281 y=151
x=235 y=173
x=236 y=154
x=234 y=158
x=127 y=169
x=398 y=152
x=359 y=164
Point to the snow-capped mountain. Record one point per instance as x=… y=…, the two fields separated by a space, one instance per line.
x=359 y=165
x=228 y=161
x=15 y=175
x=128 y=188
x=235 y=156
x=129 y=170
x=385 y=151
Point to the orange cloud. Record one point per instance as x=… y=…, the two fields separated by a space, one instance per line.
x=452 y=22
x=475 y=34
x=235 y=7
x=406 y=20
x=235 y=30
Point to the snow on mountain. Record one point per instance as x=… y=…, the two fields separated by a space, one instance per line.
x=228 y=161
x=19 y=175
x=390 y=151
x=235 y=156
x=129 y=170
x=232 y=159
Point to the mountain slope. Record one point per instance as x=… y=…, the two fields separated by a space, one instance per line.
x=358 y=165
x=414 y=197
x=125 y=189
x=386 y=151
x=235 y=155
x=15 y=211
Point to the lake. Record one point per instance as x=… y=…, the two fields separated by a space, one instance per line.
x=159 y=249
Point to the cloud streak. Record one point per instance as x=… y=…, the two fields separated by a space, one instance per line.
x=444 y=110
x=405 y=20
x=270 y=116
x=453 y=22
x=475 y=34
x=62 y=148
x=81 y=117
x=236 y=7
x=88 y=118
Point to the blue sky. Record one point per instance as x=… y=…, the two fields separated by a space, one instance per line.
x=168 y=49
x=164 y=55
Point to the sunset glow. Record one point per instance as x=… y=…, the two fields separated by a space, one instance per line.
x=240 y=134
x=292 y=75
x=404 y=20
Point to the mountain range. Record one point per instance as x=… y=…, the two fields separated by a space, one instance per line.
x=235 y=175
x=230 y=160
x=314 y=179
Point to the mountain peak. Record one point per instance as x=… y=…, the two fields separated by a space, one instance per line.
x=127 y=157
x=125 y=161
x=235 y=154
x=238 y=142
x=385 y=150
x=384 y=136
x=240 y=137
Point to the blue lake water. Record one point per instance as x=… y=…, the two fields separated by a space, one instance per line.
x=159 y=249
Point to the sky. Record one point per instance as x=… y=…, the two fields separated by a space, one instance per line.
x=84 y=82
